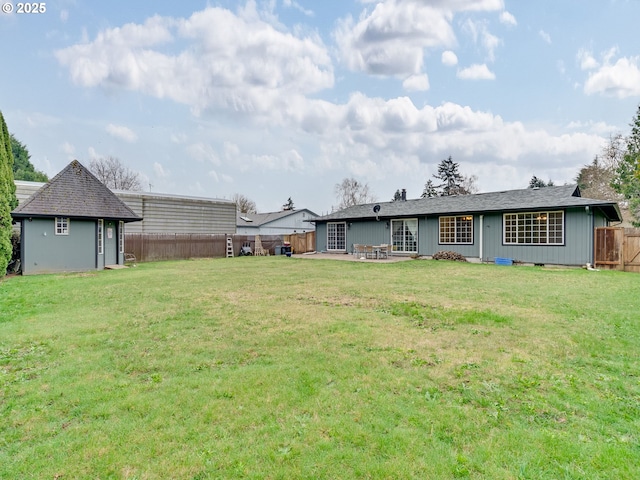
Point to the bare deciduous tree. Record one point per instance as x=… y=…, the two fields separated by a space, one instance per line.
x=114 y=174
x=469 y=184
x=351 y=192
x=244 y=204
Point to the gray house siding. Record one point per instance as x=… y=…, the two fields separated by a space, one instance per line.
x=275 y=223
x=49 y=253
x=371 y=233
x=576 y=250
x=321 y=237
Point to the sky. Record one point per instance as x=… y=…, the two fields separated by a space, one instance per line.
x=286 y=98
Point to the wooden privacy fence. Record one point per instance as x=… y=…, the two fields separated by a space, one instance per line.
x=302 y=242
x=617 y=248
x=149 y=247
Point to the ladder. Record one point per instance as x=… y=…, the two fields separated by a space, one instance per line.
x=229 y=247
x=259 y=251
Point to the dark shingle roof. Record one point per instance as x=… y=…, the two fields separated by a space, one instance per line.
x=75 y=192
x=510 y=200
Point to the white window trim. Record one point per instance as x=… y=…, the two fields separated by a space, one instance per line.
x=345 y=237
x=100 y=236
x=121 y=237
x=506 y=241
x=455 y=231
x=404 y=236
x=64 y=221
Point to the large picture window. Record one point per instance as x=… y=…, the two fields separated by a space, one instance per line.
x=336 y=236
x=62 y=226
x=456 y=229
x=404 y=235
x=534 y=228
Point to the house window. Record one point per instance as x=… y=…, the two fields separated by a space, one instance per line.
x=100 y=237
x=456 y=229
x=121 y=237
x=336 y=236
x=62 y=226
x=535 y=228
x=404 y=235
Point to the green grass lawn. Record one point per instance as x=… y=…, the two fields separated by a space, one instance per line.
x=283 y=368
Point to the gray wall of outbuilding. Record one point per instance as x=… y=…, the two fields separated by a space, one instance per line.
x=45 y=252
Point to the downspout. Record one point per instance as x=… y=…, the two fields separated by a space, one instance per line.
x=481 y=237
x=593 y=232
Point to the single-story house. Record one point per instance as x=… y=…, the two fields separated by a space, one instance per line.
x=72 y=223
x=550 y=225
x=284 y=222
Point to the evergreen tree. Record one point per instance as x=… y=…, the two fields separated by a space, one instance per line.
x=536 y=182
x=430 y=190
x=288 y=205
x=448 y=173
x=397 y=196
x=8 y=200
x=23 y=169
x=626 y=180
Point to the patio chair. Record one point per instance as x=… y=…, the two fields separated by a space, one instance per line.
x=358 y=250
x=369 y=251
x=383 y=251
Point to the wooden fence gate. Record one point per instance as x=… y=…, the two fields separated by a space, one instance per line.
x=302 y=242
x=617 y=248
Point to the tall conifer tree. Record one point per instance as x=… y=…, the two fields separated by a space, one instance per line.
x=8 y=200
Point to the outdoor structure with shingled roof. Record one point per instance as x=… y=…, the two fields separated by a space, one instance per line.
x=73 y=223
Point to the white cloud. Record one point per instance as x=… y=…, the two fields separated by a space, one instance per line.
x=41 y=120
x=231 y=62
x=392 y=38
x=545 y=36
x=479 y=32
x=285 y=161
x=600 y=128
x=93 y=154
x=178 y=137
x=449 y=58
x=68 y=148
x=121 y=132
x=508 y=19
x=476 y=72
x=297 y=6
x=160 y=171
x=215 y=61
x=620 y=79
x=64 y=16
x=203 y=152
x=416 y=83
x=587 y=61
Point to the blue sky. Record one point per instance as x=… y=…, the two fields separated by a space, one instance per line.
x=285 y=98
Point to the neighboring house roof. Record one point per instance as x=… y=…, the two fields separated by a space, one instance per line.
x=261 y=219
x=510 y=200
x=75 y=192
